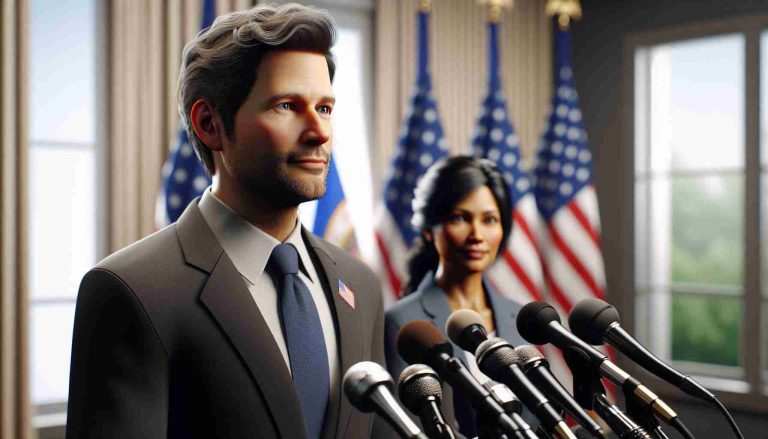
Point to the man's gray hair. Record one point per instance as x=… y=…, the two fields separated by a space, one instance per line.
x=220 y=63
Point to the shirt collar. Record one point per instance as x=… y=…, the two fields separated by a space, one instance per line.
x=247 y=246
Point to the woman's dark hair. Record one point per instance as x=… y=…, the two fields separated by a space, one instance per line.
x=443 y=185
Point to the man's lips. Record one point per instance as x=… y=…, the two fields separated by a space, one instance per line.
x=310 y=163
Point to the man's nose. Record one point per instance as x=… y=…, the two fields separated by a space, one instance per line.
x=317 y=130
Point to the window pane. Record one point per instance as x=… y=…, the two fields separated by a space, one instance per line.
x=707 y=224
x=51 y=341
x=62 y=67
x=697 y=104
x=62 y=220
x=705 y=329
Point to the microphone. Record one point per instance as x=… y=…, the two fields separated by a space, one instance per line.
x=597 y=322
x=368 y=387
x=539 y=323
x=621 y=424
x=421 y=392
x=511 y=404
x=497 y=359
x=420 y=342
x=536 y=367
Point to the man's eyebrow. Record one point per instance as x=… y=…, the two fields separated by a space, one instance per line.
x=294 y=96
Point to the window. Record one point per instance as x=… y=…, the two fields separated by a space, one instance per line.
x=352 y=115
x=64 y=239
x=700 y=212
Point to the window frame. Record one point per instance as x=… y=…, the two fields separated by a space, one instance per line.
x=750 y=393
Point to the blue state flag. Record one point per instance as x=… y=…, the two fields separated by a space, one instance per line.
x=184 y=176
x=332 y=219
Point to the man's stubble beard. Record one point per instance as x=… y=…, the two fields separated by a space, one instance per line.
x=270 y=182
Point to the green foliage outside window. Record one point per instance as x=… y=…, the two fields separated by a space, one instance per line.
x=707 y=249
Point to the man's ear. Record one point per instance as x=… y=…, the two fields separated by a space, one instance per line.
x=427 y=235
x=206 y=124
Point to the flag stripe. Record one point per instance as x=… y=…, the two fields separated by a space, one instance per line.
x=574 y=262
x=556 y=291
x=582 y=219
x=581 y=244
x=522 y=223
x=524 y=279
x=394 y=280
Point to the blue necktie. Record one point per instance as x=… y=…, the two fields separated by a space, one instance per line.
x=304 y=339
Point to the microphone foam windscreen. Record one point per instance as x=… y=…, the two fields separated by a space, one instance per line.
x=590 y=318
x=461 y=320
x=417 y=382
x=532 y=321
x=416 y=338
x=527 y=352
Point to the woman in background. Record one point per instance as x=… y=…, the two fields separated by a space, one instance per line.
x=462 y=209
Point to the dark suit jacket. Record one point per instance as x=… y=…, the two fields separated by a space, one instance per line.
x=168 y=342
x=429 y=302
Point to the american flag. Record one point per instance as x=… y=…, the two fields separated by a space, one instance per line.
x=565 y=196
x=421 y=144
x=332 y=220
x=184 y=177
x=347 y=294
x=518 y=272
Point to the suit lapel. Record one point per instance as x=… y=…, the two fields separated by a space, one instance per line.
x=435 y=303
x=505 y=315
x=348 y=332
x=230 y=303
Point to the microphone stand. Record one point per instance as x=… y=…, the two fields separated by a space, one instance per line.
x=589 y=392
x=643 y=415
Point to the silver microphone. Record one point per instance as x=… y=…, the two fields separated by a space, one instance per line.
x=368 y=387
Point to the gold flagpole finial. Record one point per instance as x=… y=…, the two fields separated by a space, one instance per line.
x=566 y=10
x=424 y=5
x=495 y=7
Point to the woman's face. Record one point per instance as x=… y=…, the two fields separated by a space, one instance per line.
x=468 y=239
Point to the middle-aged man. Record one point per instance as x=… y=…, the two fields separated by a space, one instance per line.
x=235 y=321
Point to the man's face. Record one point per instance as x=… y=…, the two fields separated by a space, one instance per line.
x=281 y=145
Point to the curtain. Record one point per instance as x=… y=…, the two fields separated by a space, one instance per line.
x=14 y=316
x=146 y=38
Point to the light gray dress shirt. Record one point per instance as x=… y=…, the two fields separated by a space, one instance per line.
x=249 y=248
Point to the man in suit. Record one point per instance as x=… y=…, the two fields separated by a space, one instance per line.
x=230 y=322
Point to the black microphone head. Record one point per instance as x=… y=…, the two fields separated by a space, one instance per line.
x=494 y=354
x=416 y=383
x=360 y=379
x=418 y=339
x=528 y=353
x=532 y=321
x=590 y=318
x=459 y=322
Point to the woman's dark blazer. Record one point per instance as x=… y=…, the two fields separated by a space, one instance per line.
x=429 y=302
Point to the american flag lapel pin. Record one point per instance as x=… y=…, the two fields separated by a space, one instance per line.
x=347 y=294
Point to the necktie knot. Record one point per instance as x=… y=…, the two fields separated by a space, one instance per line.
x=286 y=259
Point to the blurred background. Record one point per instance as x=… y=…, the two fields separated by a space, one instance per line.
x=669 y=99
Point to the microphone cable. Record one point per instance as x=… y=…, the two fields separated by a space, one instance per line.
x=728 y=416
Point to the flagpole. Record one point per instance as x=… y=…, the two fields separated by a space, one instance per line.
x=565 y=10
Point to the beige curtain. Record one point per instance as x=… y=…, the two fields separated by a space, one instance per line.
x=146 y=38
x=14 y=368
x=458 y=54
